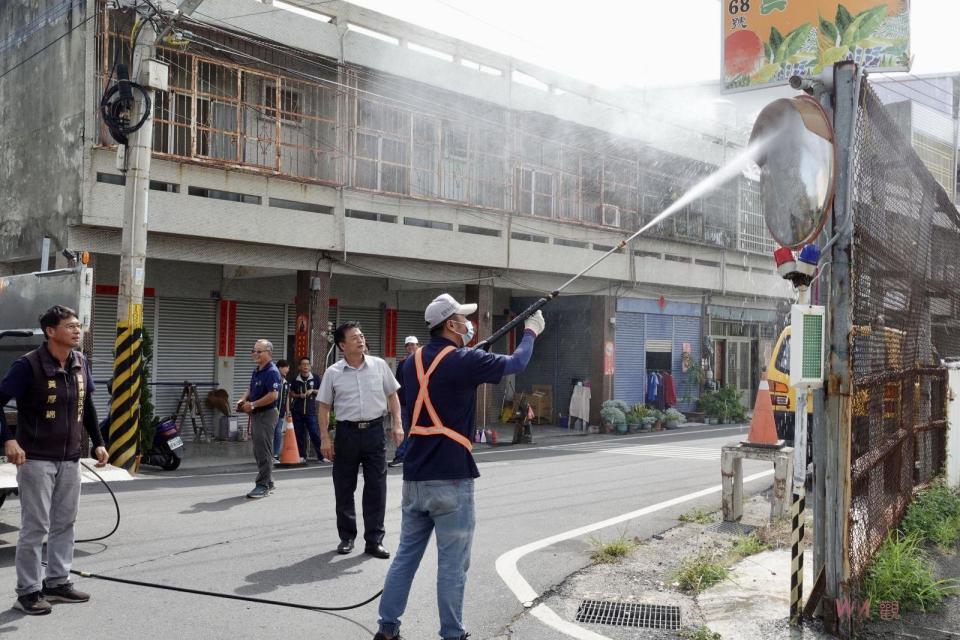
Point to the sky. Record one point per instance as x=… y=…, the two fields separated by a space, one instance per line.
x=639 y=43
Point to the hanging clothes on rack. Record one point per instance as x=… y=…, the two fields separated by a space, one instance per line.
x=653 y=384
x=669 y=390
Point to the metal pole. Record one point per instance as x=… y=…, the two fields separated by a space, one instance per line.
x=838 y=399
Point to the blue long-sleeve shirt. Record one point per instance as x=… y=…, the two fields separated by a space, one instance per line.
x=453 y=392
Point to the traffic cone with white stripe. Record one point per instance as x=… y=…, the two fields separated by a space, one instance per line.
x=763 y=429
x=290 y=454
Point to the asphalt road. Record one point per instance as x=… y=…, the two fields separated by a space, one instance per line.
x=199 y=531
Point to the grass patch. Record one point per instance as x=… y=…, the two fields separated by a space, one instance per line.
x=701 y=572
x=900 y=572
x=747 y=545
x=700 y=633
x=934 y=516
x=698 y=515
x=607 y=552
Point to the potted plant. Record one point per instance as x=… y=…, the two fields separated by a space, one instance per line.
x=657 y=419
x=639 y=418
x=672 y=419
x=612 y=418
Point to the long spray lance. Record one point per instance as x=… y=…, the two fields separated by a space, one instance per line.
x=722 y=175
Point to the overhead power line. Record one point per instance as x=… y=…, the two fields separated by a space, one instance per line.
x=45 y=47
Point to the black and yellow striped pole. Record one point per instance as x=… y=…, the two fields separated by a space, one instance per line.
x=127 y=381
x=797 y=508
x=796 y=555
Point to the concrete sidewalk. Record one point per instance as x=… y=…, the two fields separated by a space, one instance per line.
x=222 y=456
x=226 y=456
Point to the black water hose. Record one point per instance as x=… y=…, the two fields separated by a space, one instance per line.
x=488 y=342
x=199 y=592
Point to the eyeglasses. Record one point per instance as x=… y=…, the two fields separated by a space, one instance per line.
x=73 y=325
x=258 y=351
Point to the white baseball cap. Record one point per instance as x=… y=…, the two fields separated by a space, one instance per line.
x=444 y=306
x=411 y=340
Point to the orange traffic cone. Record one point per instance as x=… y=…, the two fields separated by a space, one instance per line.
x=290 y=454
x=763 y=430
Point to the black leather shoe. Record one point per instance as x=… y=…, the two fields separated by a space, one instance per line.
x=377 y=551
x=345 y=546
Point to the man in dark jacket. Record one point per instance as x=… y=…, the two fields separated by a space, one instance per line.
x=53 y=388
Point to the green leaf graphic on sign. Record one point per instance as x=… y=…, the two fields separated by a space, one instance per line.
x=829 y=30
x=864 y=25
x=775 y=38
x=769 y=6
x=792 y=43
x=843 y=18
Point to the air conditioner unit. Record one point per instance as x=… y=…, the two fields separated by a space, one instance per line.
x=611 y=215
x=806 y=346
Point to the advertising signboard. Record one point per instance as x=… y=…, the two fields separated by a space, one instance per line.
x=765 y=42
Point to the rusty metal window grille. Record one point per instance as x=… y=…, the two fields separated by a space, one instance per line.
x=904 y=300
x=629 y=614
x=222 y=113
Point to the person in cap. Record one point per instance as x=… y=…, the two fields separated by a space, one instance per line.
x=440 y=386
x=361 y=388
x=410 y=346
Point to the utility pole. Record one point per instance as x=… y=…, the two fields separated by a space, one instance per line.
x=127 y=362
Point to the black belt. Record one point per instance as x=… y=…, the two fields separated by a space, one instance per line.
x=262 y=409
x=360 y=425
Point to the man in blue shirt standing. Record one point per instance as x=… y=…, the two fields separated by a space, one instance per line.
x=440 y=386
x=260 y=403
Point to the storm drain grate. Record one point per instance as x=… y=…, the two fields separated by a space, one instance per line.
x=733 y=528
x=629 y=614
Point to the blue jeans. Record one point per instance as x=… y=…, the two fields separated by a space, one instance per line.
x=445 y=506
x=278 y=436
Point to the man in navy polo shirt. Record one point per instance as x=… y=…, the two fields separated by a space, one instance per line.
x=440 y=385
x=260 y=402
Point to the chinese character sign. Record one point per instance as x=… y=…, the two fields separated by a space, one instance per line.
x=765 y=42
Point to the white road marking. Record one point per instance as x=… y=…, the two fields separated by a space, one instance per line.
x=506 y=564
x=662 y=451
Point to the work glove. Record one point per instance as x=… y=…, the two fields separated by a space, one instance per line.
x=535 y=323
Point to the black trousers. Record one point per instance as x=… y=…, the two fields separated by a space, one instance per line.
x=355 y=448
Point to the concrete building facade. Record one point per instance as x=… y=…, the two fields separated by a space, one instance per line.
x=352 y=158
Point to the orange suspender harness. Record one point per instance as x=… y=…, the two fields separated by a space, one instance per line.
x=437 y=428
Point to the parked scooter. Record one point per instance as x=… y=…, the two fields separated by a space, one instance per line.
x=166 y=450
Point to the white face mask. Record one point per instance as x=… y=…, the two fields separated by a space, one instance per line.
x=468 y=336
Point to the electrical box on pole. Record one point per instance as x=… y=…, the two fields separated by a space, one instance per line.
x=806 y=346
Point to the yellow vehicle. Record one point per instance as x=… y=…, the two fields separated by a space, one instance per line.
x=782 y=395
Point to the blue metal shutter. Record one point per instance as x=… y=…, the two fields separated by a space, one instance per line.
x=659 y=328
x=685 y=329
x=630 y=379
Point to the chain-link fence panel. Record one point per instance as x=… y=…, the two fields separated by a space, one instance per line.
x=904 y=266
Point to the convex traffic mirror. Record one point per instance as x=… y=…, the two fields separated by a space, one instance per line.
x=796 y=157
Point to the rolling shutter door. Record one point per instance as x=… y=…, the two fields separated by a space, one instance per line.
x=256 y=321
x=371 y=323
x=630 y=378
x=410 y=323
x=186 y=346
x=686 y=329
x=104 y=336
x=573 y=354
